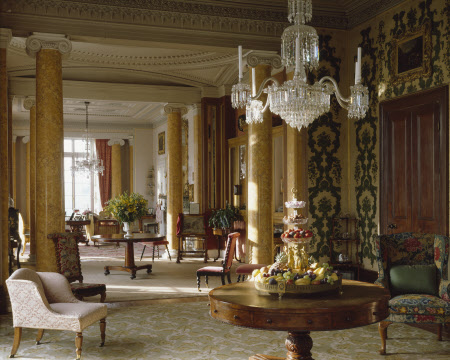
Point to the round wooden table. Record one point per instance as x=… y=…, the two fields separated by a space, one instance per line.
x=240 y=304
x=129 y=266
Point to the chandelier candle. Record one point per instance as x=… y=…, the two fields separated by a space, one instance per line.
x=240 y=62
x=358 y=68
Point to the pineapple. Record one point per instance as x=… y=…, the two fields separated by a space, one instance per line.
x=280 y=262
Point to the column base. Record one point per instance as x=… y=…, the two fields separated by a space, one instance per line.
x=30 y=261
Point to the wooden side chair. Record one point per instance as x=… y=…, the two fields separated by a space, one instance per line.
x=69 y=265
x=414 y=268
x=223 y=270
x=43 y=300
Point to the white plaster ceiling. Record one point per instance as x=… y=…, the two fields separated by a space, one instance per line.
x=101 y=114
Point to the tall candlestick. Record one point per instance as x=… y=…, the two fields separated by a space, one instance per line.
x=240 y=62
x=253 y=82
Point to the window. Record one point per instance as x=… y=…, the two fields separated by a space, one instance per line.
x=81 y=191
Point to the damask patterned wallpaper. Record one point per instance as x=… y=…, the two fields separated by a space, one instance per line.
x=343 y=159
x=325 y=150
x=375 y=39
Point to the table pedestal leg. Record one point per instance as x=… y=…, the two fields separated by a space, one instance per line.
x=130 y=265
x=298 y=345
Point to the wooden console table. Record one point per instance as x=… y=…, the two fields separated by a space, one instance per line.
x=240 y=304
x=129 y=265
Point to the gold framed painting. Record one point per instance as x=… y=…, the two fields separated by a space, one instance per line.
x=162 y=143
x=411 y=54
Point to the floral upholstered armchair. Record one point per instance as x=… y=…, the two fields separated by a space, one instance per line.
x=414 y=267
x=69 y=265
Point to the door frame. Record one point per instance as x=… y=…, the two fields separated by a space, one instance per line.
x=439 y=95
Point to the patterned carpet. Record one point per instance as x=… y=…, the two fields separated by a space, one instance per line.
x=168 y=279
x=187 y=332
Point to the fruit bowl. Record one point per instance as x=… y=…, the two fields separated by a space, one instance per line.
x=298 y=290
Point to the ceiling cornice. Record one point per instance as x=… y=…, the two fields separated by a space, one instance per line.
x=112 y=91
x=253 y=24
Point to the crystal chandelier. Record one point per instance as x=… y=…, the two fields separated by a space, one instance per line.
x=296 y=101
x=88 y=164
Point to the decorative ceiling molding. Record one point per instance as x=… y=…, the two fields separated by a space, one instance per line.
x=254 y=24
x=369 y=10
x=112 y=55
x=208 y=23
x=113 y=91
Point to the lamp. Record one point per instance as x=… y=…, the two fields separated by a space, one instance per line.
x=296 y=101
x=89 y=164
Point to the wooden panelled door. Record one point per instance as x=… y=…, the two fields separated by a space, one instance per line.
x=414 y=163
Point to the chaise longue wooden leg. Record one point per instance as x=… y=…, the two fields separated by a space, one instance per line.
x=39 y=336
x=103 y=296
x=382 y=329
x=17 y=337
x=102 y=331
x=78 y=343
x=439 y=333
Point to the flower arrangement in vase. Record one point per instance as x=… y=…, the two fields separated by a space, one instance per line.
x=127 y=208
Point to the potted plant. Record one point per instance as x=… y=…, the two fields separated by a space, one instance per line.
x=221 y=220
x=127 y=209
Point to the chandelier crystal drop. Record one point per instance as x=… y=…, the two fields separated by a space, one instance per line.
x=295 y=101
x=309 y=46
x=240 y=93
x=299 y=11
x=359 y=101
x=88 y=164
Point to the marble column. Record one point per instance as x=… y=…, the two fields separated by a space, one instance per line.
x=48 y=50
x=116 y=166
x=131 y=147
x=260 y=183
x=14 y=168
x=5 y=38
x=198 y=151
x=10 y=146
x=175 y=171
x=30 y=104
x=26 y=140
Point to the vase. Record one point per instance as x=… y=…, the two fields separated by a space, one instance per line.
x=127 y=229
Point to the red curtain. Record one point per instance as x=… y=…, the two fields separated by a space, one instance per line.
x=104 y=153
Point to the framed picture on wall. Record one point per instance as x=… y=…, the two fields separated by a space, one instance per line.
x=162 y=143
x=411 y=54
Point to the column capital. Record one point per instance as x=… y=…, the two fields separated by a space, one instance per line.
x=5 y=37
x=29 y=102
x=14 y=138
x=175 y=108
x=39 y=41
x=25 y=139
x=112 y=142
x=264 y=58
x=196 y=108
x=131 y=142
